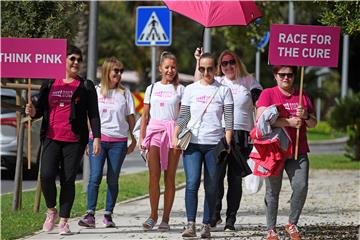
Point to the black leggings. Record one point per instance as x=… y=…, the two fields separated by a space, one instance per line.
x=63 y=158
x=234 y=179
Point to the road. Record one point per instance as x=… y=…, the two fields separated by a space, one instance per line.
x=133 y=163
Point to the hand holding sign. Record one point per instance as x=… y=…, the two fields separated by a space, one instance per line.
x=299 y=45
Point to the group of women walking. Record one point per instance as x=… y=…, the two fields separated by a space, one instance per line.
x=218 y=108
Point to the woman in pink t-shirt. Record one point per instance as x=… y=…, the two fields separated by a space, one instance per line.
x=66 y=106
x=300 y=116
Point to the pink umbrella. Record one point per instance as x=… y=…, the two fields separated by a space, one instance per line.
x=211 y=13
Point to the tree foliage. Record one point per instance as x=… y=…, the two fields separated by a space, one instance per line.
x=345 y=116
x=345 y=14
x=39 y=19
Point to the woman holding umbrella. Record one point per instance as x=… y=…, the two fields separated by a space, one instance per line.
x=300 y=116
x=245 y=90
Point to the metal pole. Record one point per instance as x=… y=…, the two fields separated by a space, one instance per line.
x=207 y=40
x=345 y=66
x=291 y=19
x=91 y=70
x=92 y=49
x=19 y=168
x=153 y=64
x=318 y=100
x=257 y=65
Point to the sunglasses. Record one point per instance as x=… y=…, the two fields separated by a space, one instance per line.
x=73 y=58
x=118 y=70
x=208 y=69
x=225 y=63
x=283 y=75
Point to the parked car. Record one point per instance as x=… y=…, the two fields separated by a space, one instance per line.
x=8 y=141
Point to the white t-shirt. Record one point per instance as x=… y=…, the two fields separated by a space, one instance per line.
x=165 y=101
x=209 y=129
x=113 y=110
x=243 y=105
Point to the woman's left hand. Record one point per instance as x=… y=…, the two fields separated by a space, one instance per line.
x=96 y=146
x=132 y=146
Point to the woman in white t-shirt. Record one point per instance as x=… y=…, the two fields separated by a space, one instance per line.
x=206 y=133
x=245 y=90
x=116 y=109
x=161 y=109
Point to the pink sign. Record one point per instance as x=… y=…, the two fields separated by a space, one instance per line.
x=301 y=45
x=33 y=58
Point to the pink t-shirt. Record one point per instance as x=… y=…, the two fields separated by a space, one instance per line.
x=60 y=107
x=273 y=96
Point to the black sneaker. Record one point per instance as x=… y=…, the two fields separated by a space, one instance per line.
x=229 y=227
x=215 y=222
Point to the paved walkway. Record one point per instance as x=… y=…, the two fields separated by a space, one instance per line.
x=333 y=203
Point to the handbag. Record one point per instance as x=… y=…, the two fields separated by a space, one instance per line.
x=184 y=137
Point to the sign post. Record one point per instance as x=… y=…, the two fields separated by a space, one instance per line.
x=301 y=45
x=153 y=28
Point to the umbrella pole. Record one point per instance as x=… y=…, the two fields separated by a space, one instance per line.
x=300 y=104
x=202 y=38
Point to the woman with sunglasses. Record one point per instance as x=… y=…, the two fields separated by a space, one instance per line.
x=116 y=107
x=66 y=105
x=203 y=105
x=245 y=90
x=300 y=116
x=161 y=109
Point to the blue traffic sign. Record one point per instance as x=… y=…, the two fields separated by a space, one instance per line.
x=153 y=26
x=264 y=41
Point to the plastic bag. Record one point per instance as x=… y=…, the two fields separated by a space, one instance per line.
x=253 y=183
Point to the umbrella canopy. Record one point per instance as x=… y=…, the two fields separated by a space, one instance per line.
x=211 y=13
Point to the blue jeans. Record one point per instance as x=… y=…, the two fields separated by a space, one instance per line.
x=193 y=158
x=115 y=153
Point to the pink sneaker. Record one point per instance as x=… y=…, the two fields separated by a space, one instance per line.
x=64 y=229
x=50 y=221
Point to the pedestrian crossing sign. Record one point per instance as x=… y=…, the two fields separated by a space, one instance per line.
x=153 y=26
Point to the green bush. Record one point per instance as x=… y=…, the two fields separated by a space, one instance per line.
x=345 y=116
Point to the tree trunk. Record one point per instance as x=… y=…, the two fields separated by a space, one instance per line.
x=81 y=40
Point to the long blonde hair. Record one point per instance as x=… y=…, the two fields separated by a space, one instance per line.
x=240 y=68
x=107 y=66
x=168 y=55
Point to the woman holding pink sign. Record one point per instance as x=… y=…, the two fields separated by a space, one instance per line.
x=66 y=106
x=300 y=116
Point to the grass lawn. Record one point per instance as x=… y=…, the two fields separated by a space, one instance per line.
x=25 y=221
x=332 y=161
x=323 y=131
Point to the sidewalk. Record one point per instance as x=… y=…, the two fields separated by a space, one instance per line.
x=332 y=204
